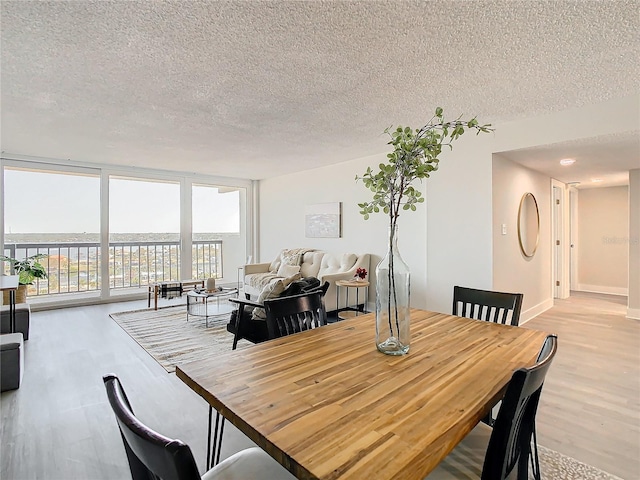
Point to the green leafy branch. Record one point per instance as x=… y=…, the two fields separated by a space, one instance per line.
x=414 y=157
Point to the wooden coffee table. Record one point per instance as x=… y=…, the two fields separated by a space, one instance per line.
x=154 y=288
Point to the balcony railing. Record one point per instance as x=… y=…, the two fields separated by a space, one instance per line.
x=74 y=267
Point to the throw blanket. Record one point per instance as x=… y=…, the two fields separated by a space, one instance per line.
x=294 y=256
x=287 y=257
x=260 y=280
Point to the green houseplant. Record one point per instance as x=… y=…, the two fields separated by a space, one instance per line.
x=27 y=270
x=414 y=157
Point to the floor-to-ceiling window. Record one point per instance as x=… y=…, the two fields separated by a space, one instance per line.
x=144 y=231
x=56 y=213
x=105 y=231
x=218 y=231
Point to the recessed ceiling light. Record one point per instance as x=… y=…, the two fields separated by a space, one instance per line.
x=567 y=161
x=596 y=180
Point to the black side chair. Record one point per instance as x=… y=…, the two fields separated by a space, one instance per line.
x=285 y=315
x=507 y=448
x=243 y=326
x=497 y=307
x=154 y=456
x=289 y=315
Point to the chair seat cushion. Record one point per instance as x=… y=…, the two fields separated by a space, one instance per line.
x=247 y=464
x=253 y=330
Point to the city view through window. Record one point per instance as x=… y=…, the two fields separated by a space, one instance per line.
x=57 y=214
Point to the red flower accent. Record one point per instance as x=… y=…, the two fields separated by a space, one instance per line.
x=361 y=273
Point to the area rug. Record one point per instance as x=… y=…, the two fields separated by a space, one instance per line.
x=171 y=340
x=554 y=465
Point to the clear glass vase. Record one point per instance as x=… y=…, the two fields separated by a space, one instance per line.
x=392 y=301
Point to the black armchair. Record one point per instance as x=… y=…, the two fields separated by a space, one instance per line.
x=244 y=326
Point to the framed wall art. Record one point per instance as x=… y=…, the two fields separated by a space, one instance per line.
x=323 y=220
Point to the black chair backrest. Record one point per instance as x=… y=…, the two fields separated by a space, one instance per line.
x=497 y=307
x=510 y=441
x=298 y=287
x=151 y=455
x=289 y=315
x=322 y=289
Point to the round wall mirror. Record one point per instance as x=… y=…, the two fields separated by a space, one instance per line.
x=528 y=224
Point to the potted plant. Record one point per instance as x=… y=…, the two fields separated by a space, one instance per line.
x=27 y=270
x=414 y=157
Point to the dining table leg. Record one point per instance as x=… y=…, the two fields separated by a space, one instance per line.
x=214 y=445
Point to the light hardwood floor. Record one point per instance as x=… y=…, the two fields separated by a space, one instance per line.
x=58 y=425
x=590 y=405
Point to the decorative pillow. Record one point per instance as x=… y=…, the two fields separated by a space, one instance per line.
x=288 y=270
x=272 y=289
x=275 y=264
x=291 y=257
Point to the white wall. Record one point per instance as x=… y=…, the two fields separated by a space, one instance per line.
x=282 y=209
x=446 y=242
x=603 y=236
x=633 y=310
x=621 y=115
x=458 y=241
x=450 y=242
x=578 y=123
x=512 y=271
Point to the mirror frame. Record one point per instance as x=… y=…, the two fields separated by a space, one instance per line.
x=520 y=219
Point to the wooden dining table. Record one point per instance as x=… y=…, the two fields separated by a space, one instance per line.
x=326 y=404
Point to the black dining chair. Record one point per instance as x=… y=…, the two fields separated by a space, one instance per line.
x=154 y=456
x=284 y=316
x=289 y=315
x=497 y=307
x=506 y=449
x=244 y=326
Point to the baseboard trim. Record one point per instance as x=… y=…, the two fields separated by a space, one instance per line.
x=603 y=289
x=536 y=310
x=633 y=313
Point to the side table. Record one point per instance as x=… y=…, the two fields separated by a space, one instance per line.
x=348 y=311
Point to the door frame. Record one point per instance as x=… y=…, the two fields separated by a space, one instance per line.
x=560 y=240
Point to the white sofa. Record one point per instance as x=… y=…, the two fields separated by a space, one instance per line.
x=314 y=263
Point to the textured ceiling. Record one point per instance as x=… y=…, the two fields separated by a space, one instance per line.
x=256 y=89
x=599 y=161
